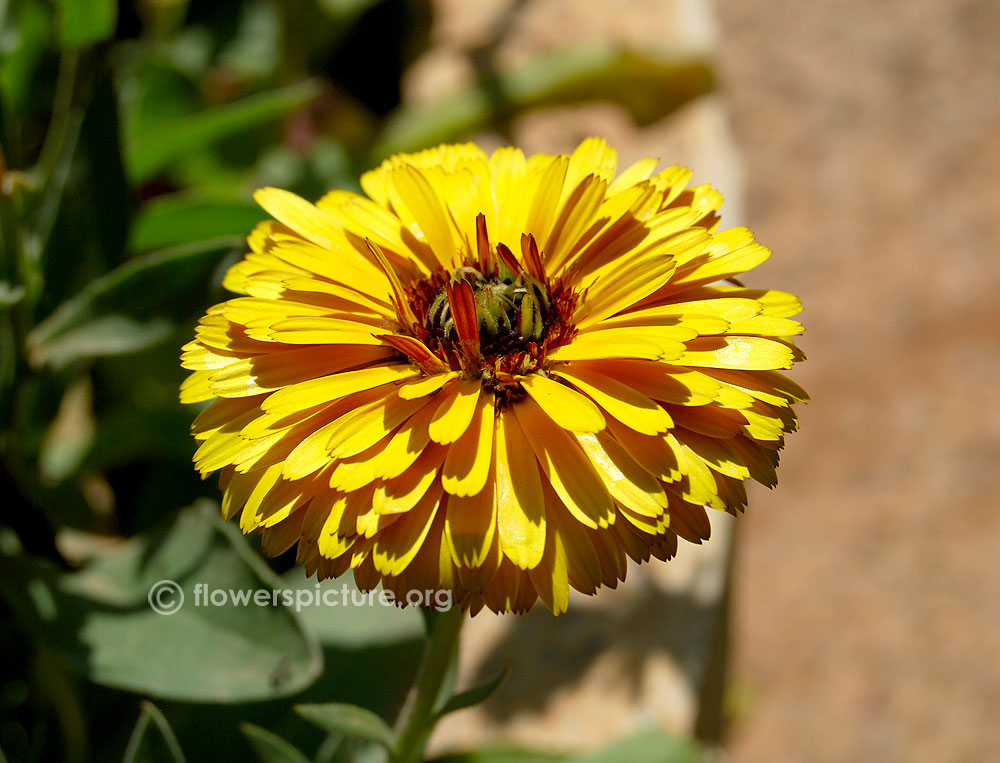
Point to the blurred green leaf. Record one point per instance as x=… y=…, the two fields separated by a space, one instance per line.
x=255 y=51
x=345 y=10
x=10 y=294
x=349 y=720
x=647 y=746
x=270 y=747
x=475 y=695
x=101 y=337
x=503 y=755
x=101 y=618
x=650 y=87
x=24 y=37
x=139 y=284
x=141 y=745
x=354 y=624
x=85 y=22
x=179 y=218
x=128 y=433
x=152 y=150
x=69 y=436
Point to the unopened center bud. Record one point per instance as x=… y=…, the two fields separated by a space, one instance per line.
x=507 y=306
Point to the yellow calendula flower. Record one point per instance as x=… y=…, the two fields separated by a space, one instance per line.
x=493 y=375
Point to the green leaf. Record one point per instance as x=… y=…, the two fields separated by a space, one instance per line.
x=10 y=294
x=270 y=747
x=69 y=437
x=650 y=87
x=349 y=720
x=86 y=22
x=137 y=284
x=647 y=746
x=179 y=218
x=156 y=148
x=476 y=694
x=359 y=621
x=101 y=337
x=504 y=755
x=345 y=11
x=141 y=745
x=26 y=34
x=102 y=620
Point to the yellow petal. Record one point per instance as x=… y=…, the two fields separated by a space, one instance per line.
x=520 y=505
x=298 y=214
x=564 y=405
x=197 y=387
x=455 y=411
x=747 y=353
x=598 y=345
x=621 y=401
x=766 y=325
x=410 y=188
x=541 y=214
x=316 y=330
x=567 y=468
x=578 y=214
x=623 y=288
x=426 y=386
x=467 y=465
x=633 y=174
x=402 y=493
x=396 y=546
x=364 y=426
x=628 y=483
x=658 y=381
x=551 y=580
x=273 y=371
x=406 y=445
x=730 y=253
x=470 y=524
x=330 y=388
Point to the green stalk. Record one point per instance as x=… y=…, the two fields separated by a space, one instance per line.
x=421 y=714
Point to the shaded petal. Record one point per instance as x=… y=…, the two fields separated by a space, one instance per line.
x=467 y=465
x=567 y=468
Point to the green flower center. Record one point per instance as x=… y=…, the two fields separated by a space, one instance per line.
x=511 y=310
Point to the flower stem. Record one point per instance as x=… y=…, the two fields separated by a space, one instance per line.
x=420 y=715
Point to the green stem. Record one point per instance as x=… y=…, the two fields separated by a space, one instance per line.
x=417 y=721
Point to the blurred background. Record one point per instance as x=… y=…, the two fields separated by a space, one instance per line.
x=860 y=141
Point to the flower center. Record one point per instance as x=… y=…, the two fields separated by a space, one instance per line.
x=511 y=310
x=493 y=318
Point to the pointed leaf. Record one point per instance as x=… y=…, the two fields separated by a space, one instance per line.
x=270 y=747
x=140 y=742
x=476 y=694
x=180 y=218
x=101 y=337
x=647 y=746
x=139 y=284
x=349 y=720
x=650 y=87
x=152 y=151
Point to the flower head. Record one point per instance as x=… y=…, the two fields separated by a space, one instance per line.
x=495 y=375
